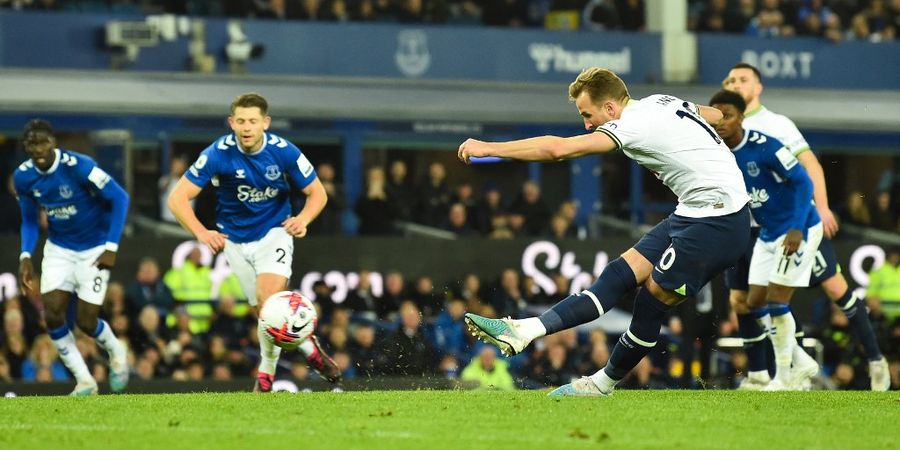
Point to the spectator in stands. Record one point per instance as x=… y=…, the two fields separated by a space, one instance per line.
x=488 y=371
x=363 y=351
x=554 y=368
x=324 y=300
x=167 y=182
x=815 y=18
x=631 y=14
x=532 y=208
x=228 y=324
x=329 y=221
x=361 y=300
x=43 y=358
x=873 y=23
x=147 y=333
x=471 y=292
x=770 y=21
x=400 y=191
x=883 y=292
x=148 y=290
x=465 y=195
x=191 y=286
x=490 y=206
x=425 y=298
x=5 y=370
x=857 y=212
x=884 y=216
x=714 y=17
x=394 y=295
x=434 y=196
x=115 y=301
x=457 y=221
x=374 y=209
x=407 y=351
x=464 y=12
x=450 y=335
x=600 y=15
x=508 y=300
x=504 y=13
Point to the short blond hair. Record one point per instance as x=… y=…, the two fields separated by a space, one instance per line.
x=600 y=84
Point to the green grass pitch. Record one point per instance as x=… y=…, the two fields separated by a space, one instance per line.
x=455 y=420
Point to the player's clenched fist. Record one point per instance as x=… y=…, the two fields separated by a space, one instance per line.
x=471 y=148
x=212 y=239
x=295 y=227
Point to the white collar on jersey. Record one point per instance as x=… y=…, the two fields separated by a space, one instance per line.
x=53 y=167
x=265 y=141
x=743 y=141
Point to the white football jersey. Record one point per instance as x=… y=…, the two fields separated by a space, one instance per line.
x=668 y=136
x=777 y=126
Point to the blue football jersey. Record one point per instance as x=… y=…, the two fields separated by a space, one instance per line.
x=253 y=192
x=85 y=207
x=780 y=189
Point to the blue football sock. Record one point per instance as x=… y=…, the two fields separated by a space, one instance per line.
x=858 y=321
x=616 y=280
x=641 y=336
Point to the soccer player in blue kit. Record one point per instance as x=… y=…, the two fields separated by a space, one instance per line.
x=707 y=232
x=781 y=200
x=253 y=171
x=745 y=80
x=86 y=212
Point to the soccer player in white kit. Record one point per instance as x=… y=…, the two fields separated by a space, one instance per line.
x=707 y=232
x=86 y=212
x=254 y=171
x=745 y=79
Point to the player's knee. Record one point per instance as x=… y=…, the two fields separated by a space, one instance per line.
x=835 y=287
x=666 y=296
x=780 y=293
x=54 y=318
x=756 y=297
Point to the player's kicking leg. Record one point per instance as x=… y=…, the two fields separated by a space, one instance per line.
x=618 y=278
x=55 y=305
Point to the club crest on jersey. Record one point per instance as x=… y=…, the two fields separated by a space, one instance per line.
x=65 y=191
x=752 y=169
x=273 y=172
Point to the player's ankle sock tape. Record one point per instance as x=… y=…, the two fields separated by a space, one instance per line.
x=641 y=336
x=99 y=329
x=754 y=342
x=779 y=309
x=59 y=332
x=858 y=322
x=616 y=280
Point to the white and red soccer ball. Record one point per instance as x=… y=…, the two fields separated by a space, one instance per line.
x=288 y=319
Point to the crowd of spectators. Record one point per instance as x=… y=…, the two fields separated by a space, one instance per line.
x=835 y=20
x=414 y=328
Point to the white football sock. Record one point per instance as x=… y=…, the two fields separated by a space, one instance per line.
x=107 y=340
x=603 y=381
x=268 y=352
x=784 y=342
x=307 y=347
x=71 y=357
x=531 y=328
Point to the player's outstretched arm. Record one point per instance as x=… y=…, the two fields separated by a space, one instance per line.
x=179 y=203
x=118 y=198
x=541 y=149
x=820 y=193
x=316 y=198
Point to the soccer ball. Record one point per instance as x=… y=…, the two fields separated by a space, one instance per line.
x=288 y=319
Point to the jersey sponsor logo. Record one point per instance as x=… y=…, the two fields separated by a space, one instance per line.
x=62 y=212
x=240 y=174
x=273 y=172
x=786 y=158
x=98 y=177
x=752 y=169
x=251 y=194
x=306 y=167
x=758 y=197
x=65 y=191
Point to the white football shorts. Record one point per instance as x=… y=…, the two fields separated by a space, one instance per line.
x=770 y=265
x=274 y=253
x=74 y=271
